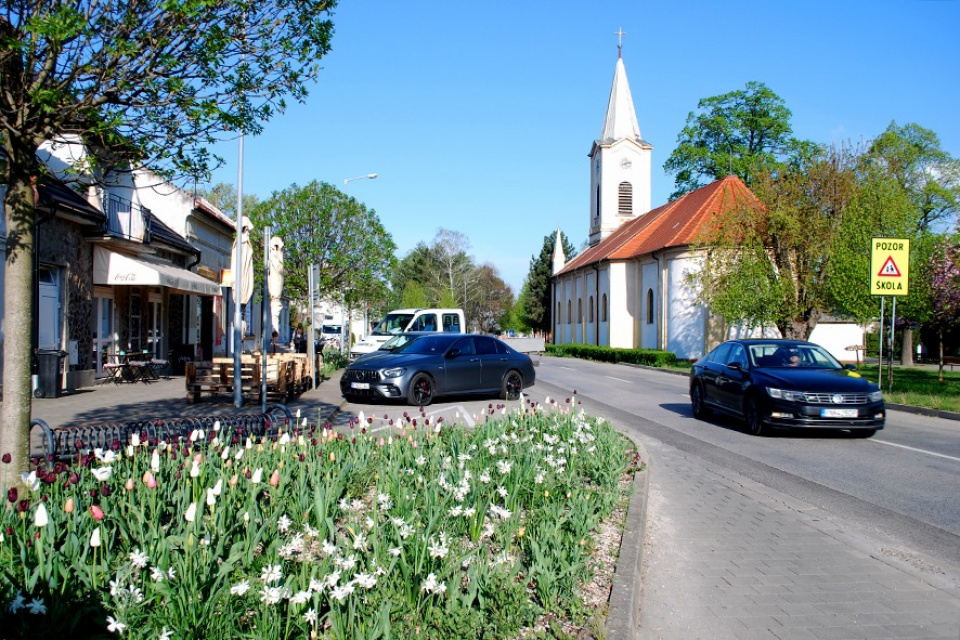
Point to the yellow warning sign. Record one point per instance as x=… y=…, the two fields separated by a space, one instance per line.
x=889 y=266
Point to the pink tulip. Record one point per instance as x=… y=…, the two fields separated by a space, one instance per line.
x=96 y=512
x=149 y=480
x=275 y=478
x=128 y=485
x=69 y=506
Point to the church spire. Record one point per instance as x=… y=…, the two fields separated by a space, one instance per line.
x=621 y=119
x=559 y=259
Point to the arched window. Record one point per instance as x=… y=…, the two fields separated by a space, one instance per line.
x=579 y=310
x=569 y=311
x=625 y=202
x=649 y=306
x=603 y=308
x=559 y=317
x=590 y=310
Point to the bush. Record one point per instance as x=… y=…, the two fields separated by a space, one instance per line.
x=648 y=357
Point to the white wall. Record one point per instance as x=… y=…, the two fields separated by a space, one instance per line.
x=685 y=316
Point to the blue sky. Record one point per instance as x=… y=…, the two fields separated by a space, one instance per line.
x=478 y=117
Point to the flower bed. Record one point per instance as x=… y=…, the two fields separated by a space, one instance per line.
x=400 y=527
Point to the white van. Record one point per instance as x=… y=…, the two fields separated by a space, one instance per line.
x=447 y=320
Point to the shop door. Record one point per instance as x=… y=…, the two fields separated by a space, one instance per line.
x=49 y=321
x=155 y=328
x=104 y=337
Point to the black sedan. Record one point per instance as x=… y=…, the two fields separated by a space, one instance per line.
x=439 y=364
x=784 y=384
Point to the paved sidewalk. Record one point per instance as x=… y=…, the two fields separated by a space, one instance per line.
x=729 y=558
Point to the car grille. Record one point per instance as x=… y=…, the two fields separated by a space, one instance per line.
x=828 y=398
x=361 y=375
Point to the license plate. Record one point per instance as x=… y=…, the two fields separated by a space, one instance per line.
x=359 y=385
x=838 y=413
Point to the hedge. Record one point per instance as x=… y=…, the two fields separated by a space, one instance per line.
x=649 y=357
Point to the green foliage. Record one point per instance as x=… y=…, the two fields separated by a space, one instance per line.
x=648 y=357
x=743 y=132
x=537 y=295
x=322 y=226
x=414 y=297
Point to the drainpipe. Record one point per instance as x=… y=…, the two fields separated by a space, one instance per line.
x=596 y=303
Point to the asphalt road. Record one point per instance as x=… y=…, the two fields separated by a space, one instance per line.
x=903 y=484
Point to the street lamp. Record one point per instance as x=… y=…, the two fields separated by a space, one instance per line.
x=345 y=319
x=369 y=176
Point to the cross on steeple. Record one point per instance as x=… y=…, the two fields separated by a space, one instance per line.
x=620 y=33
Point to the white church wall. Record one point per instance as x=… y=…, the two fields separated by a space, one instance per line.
x=649 y=281
x=604 y=306
x=685 y=316
x=621 y=318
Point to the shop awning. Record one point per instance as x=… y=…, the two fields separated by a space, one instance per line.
x=111 y=268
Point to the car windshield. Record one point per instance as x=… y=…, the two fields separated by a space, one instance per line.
x=394 y=323
x=809 y=356
x=330 y=330
x=396 y=342
x=428 y=345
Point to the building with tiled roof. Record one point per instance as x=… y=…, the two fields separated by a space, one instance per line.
x=631 y=288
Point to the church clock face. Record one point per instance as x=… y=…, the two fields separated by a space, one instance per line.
x=625 y=163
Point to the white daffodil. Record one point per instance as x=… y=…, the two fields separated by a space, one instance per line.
x=240 y=588
x=115 y=626
x=139 y=559
x=271 y=573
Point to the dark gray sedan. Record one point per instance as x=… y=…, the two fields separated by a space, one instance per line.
x=440 y=364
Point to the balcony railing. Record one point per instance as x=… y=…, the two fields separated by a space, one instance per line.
x=127 y=219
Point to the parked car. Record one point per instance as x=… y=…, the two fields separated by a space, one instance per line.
x=401 y=320
x=440 y=364
x=785 y=384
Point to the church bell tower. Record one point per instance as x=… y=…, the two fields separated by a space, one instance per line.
x=619 y=162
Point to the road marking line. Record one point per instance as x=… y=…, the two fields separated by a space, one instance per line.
x=929 y=453
x=620 y=379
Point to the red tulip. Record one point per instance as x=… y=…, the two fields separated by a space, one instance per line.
x=96 y=512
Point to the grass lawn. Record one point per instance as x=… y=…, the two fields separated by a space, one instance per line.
x=919 y=386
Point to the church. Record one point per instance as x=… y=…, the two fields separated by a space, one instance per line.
x=629 y=288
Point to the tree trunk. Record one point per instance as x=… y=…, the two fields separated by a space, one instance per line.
x=19 y=209
x=906 y=347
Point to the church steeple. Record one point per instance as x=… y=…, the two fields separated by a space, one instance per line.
x=619 y=161
x=559 y=259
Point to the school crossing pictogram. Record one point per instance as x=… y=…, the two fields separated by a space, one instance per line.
x=889 y=269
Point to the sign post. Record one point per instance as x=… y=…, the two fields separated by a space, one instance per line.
x=889 y=276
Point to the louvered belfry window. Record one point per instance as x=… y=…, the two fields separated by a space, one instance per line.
x=625 y=202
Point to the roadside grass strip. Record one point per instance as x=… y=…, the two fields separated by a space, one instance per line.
x=422 y=529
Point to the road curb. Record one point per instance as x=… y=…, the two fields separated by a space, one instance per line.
x=623 y=616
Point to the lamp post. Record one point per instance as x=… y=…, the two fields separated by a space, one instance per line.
x=344 y=318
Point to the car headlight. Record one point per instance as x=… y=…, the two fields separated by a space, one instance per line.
x=876 y=396
x=789 y=396
x=393 y=373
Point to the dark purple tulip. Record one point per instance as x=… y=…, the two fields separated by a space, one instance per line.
x=12 y=494
x=7 y=458
x=74 y=478
x=93 y=493
x=23 y=506
x=105 y=491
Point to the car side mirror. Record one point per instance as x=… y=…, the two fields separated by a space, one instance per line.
x=736 y=366
x=850 y=367
x=453 y=353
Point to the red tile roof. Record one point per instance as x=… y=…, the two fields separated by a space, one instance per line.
x=675 y=224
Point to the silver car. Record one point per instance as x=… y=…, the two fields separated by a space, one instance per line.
x=440 y=364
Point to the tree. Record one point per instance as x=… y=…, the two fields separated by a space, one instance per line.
x=322 y=226
x=147 y=83
x=944 y=273
x=743 y=132
x=538 y=291
x=913 y=156
x=801 y=250
x=492 y=299
x=224 y=197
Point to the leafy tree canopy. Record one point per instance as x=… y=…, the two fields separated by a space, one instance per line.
x=322 y=226
x=743 y=132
